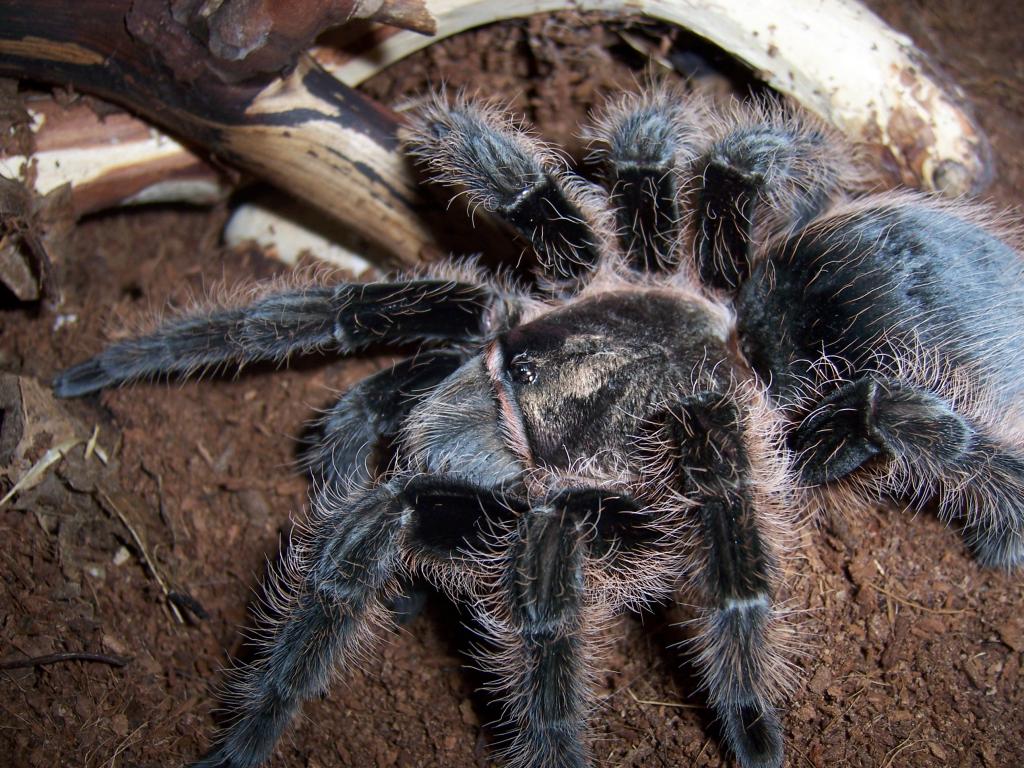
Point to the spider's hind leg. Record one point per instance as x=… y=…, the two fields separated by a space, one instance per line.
x=482 y=150
x=929 y=446
x=645 y=141
x=989 y=489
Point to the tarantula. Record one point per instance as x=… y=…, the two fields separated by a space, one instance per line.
x=731 y=336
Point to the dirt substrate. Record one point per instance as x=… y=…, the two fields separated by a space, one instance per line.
x=913 y=654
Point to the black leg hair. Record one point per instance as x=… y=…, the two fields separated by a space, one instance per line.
x=547 y=688
x=735 y=569
x=546 y=629
x=350 y=435
x=932 y=448
x=324 y=607
x=333 y=592
x=344 y=318
x=479 y=148
x=530 y=570
x=644 y=141
x=868 y=417
x=990 y=485
x=774 y=173
x=351 y=440
x=456 y=520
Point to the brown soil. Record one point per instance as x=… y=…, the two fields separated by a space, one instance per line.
x=913 y=653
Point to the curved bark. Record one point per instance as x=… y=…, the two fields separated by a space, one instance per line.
x=834 y=57
x=306 y=133
x=323 y=143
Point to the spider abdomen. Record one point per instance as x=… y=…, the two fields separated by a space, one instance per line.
x=895 y=284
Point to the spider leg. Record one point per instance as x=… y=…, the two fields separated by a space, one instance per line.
x=771 y=173
x=540 y=594
x=479 y=148
x=327 y=601
x=333 y=592
x=544 y=670
x=350 y=434
x=345 y=318
x=978 y=476
x=990 y=482
x=546 y=629
x=735 y=570
x=869 y=417
x=644 y=140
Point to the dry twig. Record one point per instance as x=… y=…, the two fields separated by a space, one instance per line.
x=58 y=658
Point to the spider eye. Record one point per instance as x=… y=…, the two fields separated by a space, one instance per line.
x=522 y=369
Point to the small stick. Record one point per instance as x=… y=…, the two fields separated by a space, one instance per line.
x=57 y=658
x=145 y=556
x=676 y=704
x=903 y=745
x=35 y=474
x=911 y=604
x=837 y=718
x=91 y=445
x=162 y=507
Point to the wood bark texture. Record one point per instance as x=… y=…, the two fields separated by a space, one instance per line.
x=205 y=70
x=305 y=132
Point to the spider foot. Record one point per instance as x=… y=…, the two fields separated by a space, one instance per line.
x=755 y=735
x=997 y=540
x=82 y=379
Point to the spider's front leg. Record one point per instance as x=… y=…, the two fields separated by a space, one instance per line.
x=548 y=615
x=481 y=149
x=769 y=173
x=645 y=142
x=722 y=469
x=542 y=579
x=343 y=318
x=929 y=447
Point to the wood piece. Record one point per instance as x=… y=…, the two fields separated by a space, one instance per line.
x=834 y=56
x=31 y=418
x=873 y=90
x=306 y=133
x=110 y=160
x=31 y=227
x=253 y=37
x=288 y=230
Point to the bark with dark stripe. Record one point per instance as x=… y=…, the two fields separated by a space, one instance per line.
x=306 y=132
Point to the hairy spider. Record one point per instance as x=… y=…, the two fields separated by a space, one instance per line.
x=731 y=336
